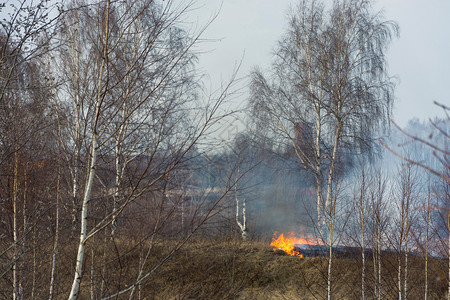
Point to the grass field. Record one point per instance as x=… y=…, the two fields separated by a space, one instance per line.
x=224 y=268
x=252 y=270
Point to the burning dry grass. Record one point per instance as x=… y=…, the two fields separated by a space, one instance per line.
x=287 y=243
x=252 y=270
x=232 y=269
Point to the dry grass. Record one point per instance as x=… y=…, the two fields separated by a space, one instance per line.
x=230 y=269
x=251 y=270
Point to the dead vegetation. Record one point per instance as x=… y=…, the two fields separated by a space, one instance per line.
x=232 y=269
x=228 y=268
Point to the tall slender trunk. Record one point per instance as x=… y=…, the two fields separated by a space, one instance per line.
x=74 y=201
x=182 y=216
x=119 y=165
x=379 y=243
x=408 y=202
x=330 y=261
x=83 y=234
x=92 y=275
x=15 y=235
x=120 y=160
x=242 y=225
x=75 y=176
x=426 y=243
x=55 y=242
x=405 y=280
x=363 y=245
x=319 y=191
x=75 y=55
x=448 y=253
x=403 y=238
x=399 y=264
x=405 y=283
x=330 y=203
x=117 y=187
x=88 y=189
x=376 y=241
x=103 y=270
x=25 y=226
x=374 y=259
x=329 y=196
x=33 y=280
x=318 y=174
x=363 y=273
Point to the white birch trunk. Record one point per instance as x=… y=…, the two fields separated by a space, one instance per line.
x=329 y=206
x=376 y=244
x=25 y=227
x=55 y=243
x=318 y=173
x=75 y=185
x=77 y=137
x=116 y=197
x=330 y=262
x=84 y=213
x=244 y=220
x=74 y=292
x=243 y=225
x=320 y=222
x=405 y=284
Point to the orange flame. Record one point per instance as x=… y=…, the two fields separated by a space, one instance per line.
x=287 y=243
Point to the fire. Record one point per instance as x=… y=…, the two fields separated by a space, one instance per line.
x=287 y=242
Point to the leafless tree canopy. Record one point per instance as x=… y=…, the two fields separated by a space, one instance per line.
x=330 y=68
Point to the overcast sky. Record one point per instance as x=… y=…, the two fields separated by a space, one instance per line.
x=420 y=58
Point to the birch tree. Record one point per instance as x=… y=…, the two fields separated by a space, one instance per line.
x=244 y=160
x=362 y=205
x=330 y=79
x=378 y=208
x=128 y=77
x=136 y=134
x=437 y=142
x=403 y=225
x=25 y=31
x=75 y=70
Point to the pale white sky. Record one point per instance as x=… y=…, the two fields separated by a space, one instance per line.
x=420 y=58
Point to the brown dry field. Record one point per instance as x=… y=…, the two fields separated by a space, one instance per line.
x=233 y=269
x=228 y=268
